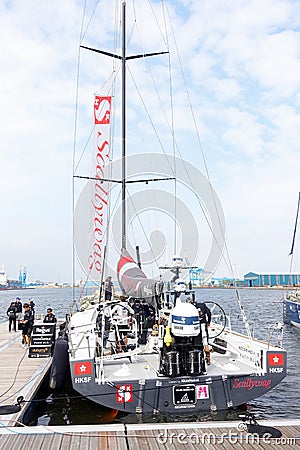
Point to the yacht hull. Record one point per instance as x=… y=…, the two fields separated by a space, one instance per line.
x=176 y=395
x=292 y=312
x=241 y=370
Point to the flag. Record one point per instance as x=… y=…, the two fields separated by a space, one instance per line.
x=83 y=368
x=275 y=359
x=90 y=218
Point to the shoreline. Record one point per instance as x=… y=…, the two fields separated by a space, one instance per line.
x=270 y=288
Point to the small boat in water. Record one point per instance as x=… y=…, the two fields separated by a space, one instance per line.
x=292 y=308
x=148 y=350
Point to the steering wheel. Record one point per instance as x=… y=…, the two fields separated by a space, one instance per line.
x=218 y=313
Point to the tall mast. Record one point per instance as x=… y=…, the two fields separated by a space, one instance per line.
x=123 y=58
x=123 y=124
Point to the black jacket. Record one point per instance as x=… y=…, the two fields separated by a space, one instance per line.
x=28 y=318
x=11 y=311
x=19 y=307
x=204 y=313
x=49 y=318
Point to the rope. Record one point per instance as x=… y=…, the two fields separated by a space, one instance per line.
x=14 y=379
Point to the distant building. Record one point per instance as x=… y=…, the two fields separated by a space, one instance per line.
x=198 y=278
x=14 y=284
x=3 y=278
x=252 y=279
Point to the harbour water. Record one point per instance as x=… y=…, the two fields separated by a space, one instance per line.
x=263 y=308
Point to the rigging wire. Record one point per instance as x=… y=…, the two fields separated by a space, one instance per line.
x=205 y=214
x=74 y=150
x=171 y=126
x=82 y=34
x=228 y=263
x=294 y=234
x=172 y=131
x=227 y=260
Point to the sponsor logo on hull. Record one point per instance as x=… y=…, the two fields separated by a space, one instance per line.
x=275 y=362
x=83 y=368
x=124 y=393
x=202 y=392
x=80 y=380
x=184 y=395
x=275 y=359
x=251 y=383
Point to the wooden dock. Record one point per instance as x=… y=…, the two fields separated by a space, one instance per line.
x=19 y=375
x=179 y=436
x=22 y=376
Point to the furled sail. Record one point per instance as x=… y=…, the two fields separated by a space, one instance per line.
x=134 y=282
x=90 y=215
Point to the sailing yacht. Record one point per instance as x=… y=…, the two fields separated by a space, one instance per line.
x=291 y=304
x=292 y=308
x=142 y=350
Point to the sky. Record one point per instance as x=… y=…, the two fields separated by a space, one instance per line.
x=242 y=64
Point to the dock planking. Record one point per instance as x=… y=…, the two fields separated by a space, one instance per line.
x=19 y=374
x=211 y=435
x=191 y=436
x=82 y=437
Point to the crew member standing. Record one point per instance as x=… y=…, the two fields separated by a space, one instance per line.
x=49 y=317
x=108 y=289
x=19 y=308
x=205 y=319
x=32 y=306
x=27 y=321
x=12 y=316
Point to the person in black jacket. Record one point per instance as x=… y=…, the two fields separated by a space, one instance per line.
x=12 y=316
x=204 y=313
x=49 y=317
x=108 y=289
x=18 y=305
x=27 y=321
x=32 y=305
x=205 y=319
